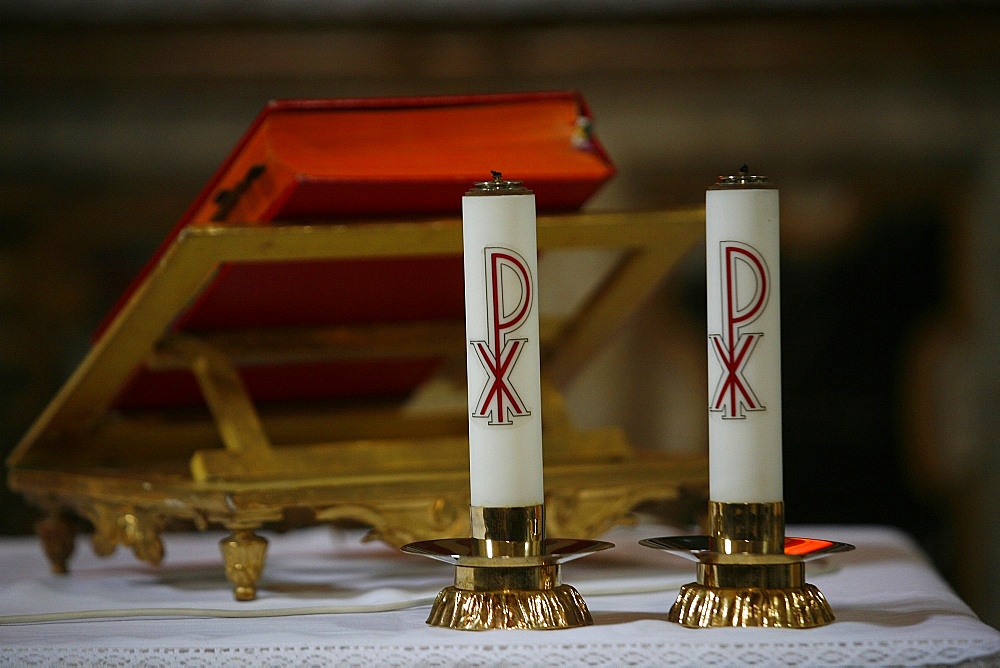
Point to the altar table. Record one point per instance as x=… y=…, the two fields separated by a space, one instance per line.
x=326 y=598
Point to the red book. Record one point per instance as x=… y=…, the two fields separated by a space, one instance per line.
x=345 y=161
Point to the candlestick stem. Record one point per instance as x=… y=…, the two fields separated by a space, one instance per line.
x=750 y=528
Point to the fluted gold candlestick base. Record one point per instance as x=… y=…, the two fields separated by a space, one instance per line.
x=755 y=590
x=749 y=573
x=698 y=606
x=507 y=576
x=561 y=607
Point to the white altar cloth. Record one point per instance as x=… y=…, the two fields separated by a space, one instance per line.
x=328 y=599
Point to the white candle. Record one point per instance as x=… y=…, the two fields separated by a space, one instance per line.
x=744 y=341
x=501 y=321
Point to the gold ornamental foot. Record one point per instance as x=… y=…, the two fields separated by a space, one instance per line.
x=244 y=553
x=749 y=573
x=507 y=576
x=58 y=536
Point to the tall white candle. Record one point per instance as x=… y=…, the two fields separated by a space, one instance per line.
x=744 y=340
x=501 y=321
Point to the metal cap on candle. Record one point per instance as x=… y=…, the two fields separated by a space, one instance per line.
x=742 y=179
x=498 y=186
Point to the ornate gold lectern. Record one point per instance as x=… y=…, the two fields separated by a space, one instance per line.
x=312 y=371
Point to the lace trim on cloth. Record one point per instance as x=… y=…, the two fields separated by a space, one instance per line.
x=881 y=653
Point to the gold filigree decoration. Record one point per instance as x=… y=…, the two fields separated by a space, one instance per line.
x=404 y=522
x=126 y=525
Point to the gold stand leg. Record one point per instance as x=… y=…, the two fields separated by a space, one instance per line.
x=58 y=536
x=244 y=553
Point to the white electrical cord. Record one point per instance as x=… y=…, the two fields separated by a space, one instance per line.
x=194 y=613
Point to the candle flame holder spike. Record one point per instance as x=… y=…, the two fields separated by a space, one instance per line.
x=507 y=575
x=749 y=573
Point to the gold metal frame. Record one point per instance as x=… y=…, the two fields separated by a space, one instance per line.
x=406 y=476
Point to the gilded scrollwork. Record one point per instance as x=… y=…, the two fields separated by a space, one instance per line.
x=127 y=525
x=407 y=520
x=575 y=513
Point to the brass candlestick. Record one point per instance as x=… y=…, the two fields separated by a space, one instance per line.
x=749 y=573
x=507 y=575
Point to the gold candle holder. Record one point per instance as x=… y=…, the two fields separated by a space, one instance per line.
x=507 y=574
x=749 y=573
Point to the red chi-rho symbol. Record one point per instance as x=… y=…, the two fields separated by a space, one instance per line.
x=743 y=301
x=508 y=297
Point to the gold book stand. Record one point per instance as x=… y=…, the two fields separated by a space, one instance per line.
x=398 y=465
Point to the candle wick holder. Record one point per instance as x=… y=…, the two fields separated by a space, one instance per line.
x=749 y=573
x=507 y=574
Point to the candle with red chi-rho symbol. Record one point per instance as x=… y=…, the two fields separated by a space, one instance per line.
x=501 y=319
x=744 y=340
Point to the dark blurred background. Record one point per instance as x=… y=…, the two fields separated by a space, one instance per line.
x=878 y=120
